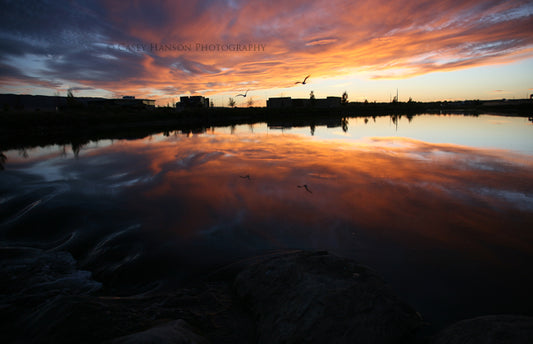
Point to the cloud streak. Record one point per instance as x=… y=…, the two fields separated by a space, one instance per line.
x=109 y=45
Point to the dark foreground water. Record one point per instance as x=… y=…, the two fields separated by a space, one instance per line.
x=443 y=212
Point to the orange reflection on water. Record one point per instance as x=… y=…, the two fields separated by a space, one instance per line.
x=406 y=191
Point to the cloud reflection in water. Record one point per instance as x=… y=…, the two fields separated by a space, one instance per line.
x=437 y=220
x=400 y=189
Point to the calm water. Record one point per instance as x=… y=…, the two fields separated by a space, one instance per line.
x=440 y=206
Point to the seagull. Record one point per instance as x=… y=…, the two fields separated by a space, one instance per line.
x=246 y=177
x=302 y=82
x=243 y=95
x=305 y=187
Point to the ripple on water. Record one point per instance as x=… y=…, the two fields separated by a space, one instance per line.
x=19 y=203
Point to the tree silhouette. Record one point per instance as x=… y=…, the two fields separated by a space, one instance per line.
x=70 y=98
x=76 y=148
x=312 y=95
x=57 y=96
x=344 y=99
x=231 y=102
x=250 y=102
x=3 y=160
x=72 y=102
x=344 y=122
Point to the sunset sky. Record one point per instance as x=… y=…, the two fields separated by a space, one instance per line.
x=427 y=50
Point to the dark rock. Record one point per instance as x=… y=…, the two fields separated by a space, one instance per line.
x=35 y=272
x=209 y=308
x=492 y=329
x=316 y=297
x=33 y=281
x=173 y=332
x=289 y=297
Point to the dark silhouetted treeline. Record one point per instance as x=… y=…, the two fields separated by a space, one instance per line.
x=71 y=124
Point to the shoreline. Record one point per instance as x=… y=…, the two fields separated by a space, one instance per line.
x=22 y=130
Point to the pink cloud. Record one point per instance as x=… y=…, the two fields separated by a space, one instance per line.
x=323 y=38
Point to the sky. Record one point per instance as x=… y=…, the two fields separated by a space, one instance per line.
x=164 y=49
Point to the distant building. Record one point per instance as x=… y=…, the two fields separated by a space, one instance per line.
x=287 y=102
x=281 y=102
x=301 y=102
x=128 y=102
x=193 y=102
x=329 y=102
x=22 y=102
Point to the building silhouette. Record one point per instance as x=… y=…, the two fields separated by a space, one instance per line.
x=193 y=102
x=23 y=102
x=128 y=102
x=288 y=102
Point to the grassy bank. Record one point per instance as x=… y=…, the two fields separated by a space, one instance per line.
x=23 y=129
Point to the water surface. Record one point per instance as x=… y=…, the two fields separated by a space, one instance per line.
x=440 y=206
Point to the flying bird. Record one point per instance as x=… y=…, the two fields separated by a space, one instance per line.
x=305 y=187
x=246 y=177
x=302 y=82
x=242 y=95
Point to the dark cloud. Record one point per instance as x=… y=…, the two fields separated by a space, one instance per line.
x=95 y=64
x=9 y=71
x=80 y=88
x=54 y=22
x=194 y=67
x=14 y=76
x=106 y=44
x=171 y=90
x=13 y=46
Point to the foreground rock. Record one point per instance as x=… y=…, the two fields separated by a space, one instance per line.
x=493 y=329
x=174 y=332
x=44 y=298
x=31 y=281
x=289 y=297
x=315 y=297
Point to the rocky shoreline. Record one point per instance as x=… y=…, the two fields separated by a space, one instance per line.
x=286 y=297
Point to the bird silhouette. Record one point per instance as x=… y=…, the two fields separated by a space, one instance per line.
x=246 y=177
x=305 y=187
x=242 y=95
x=302 y=82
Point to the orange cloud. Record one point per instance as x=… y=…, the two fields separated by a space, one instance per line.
x=292 y=39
